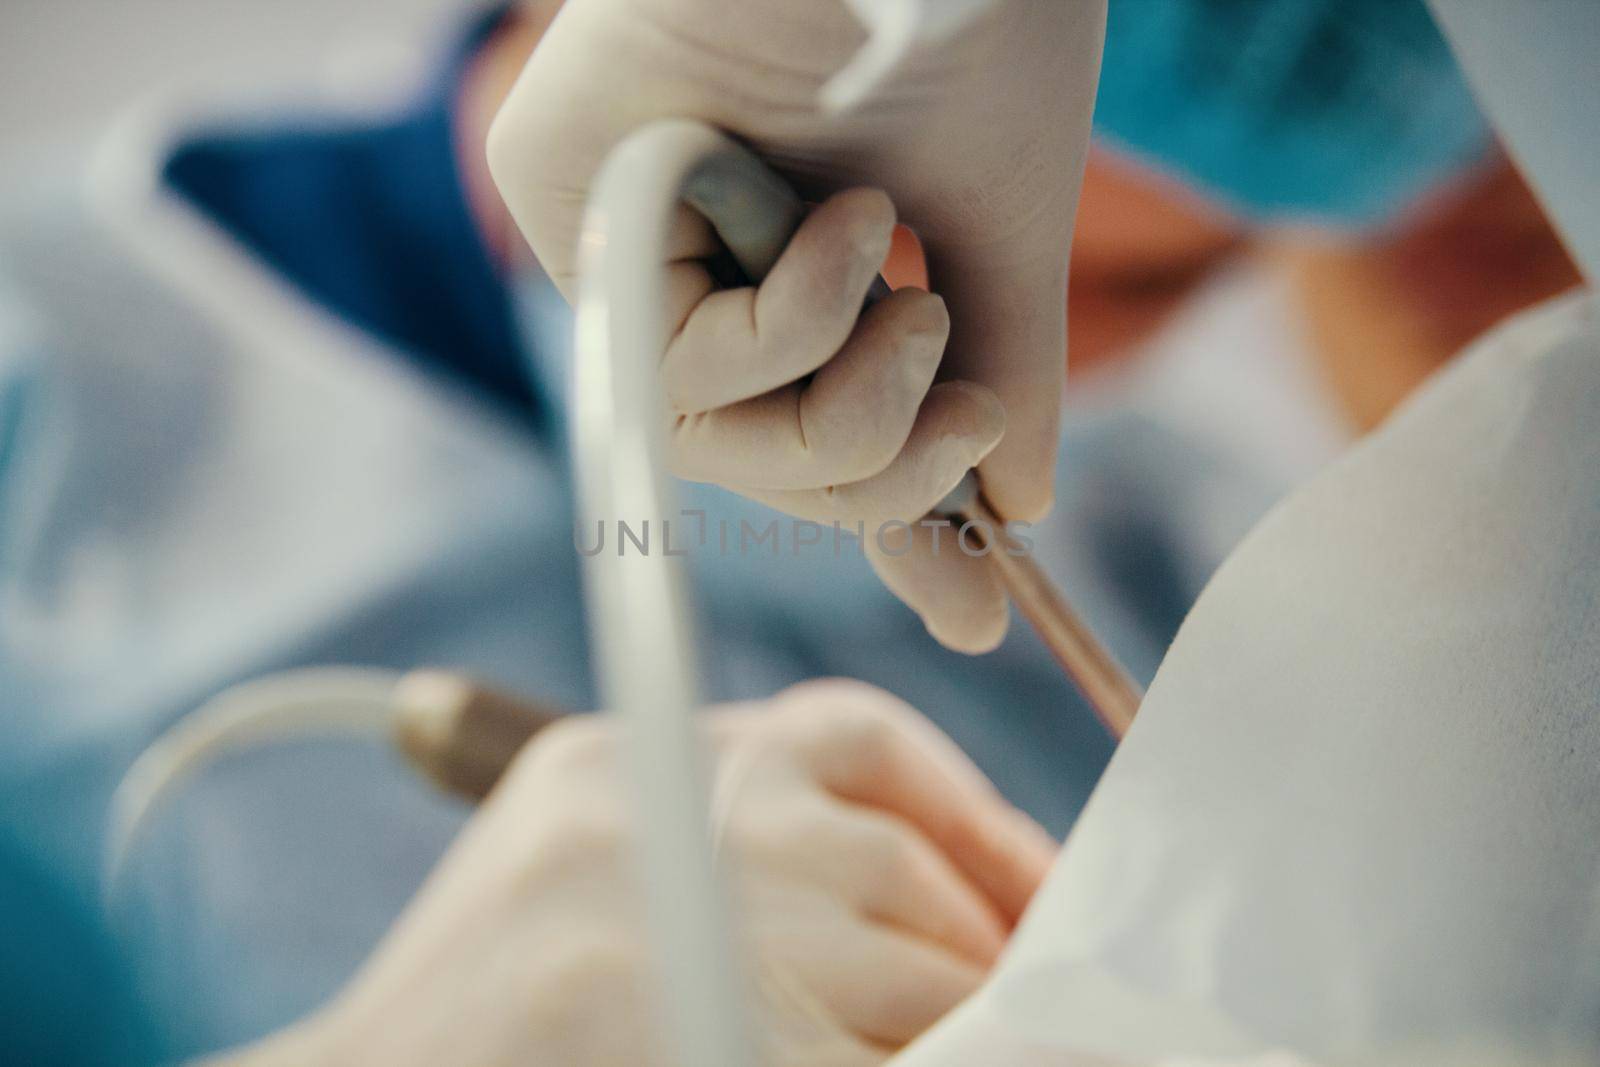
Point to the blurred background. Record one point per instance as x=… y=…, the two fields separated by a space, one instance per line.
x=282 y=388
x=67 y=65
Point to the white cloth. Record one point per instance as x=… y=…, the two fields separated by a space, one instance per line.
x=1356 y=816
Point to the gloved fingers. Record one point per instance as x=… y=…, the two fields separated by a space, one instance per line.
x=794 y=969
x=848 y=423
x=958 y=596
x=958 y=424
x=690 y=242
x=885 y=986
x=866 y=747
x=688 y=283
x=861 y=406
x=735 y=344
x=855 y=1054
x=1008 y=332
x=897 y=877
x=870 y=860
x=838 y=1050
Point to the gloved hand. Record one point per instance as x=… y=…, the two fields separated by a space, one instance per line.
x=979 y=140
x=877 y=875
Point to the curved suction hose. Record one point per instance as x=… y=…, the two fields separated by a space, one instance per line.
x=316 y=701
x=461 y=735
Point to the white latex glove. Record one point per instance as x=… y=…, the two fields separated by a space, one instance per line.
x=878 y=875
x=979 y=140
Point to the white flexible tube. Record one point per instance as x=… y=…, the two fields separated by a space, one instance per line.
x=642 y=634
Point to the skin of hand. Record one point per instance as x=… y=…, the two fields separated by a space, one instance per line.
x=978 y=141
x=875 y=871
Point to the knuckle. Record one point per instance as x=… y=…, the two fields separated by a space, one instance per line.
x=579 y=742
x=803 y=697
x=692 y=453
x=856 y=715
x=579 y=842
x=849 y=693
x=868 y=734
x=865 y=435
x=873 y=721
x=851 y=454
